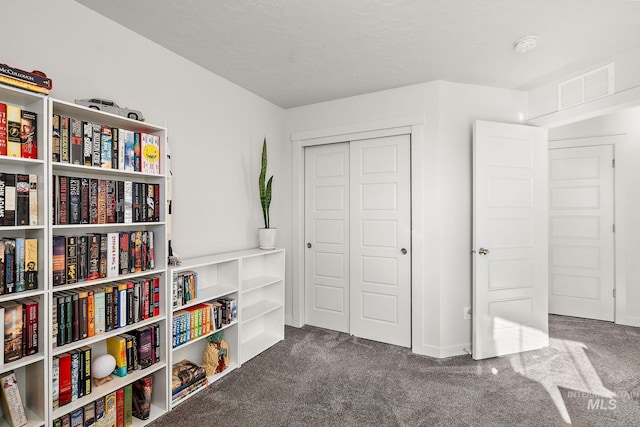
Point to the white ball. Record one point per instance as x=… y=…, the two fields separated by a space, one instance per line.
x=103 y=366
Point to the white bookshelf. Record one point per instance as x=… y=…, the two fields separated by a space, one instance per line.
x=255 y=279
x=97 y=343
x=31 y=371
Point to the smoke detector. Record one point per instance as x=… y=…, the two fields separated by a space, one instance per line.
x=525 y=44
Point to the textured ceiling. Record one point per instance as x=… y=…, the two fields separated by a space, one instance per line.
x=298 y=52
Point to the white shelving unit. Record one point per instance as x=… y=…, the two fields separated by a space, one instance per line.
x=31 y=371
x=255 y=279
x=261 y=301
x=160 y=396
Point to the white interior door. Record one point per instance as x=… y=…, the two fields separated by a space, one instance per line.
x=380 y=239
x=581 y=218
x=510 y=238
x=327 y=236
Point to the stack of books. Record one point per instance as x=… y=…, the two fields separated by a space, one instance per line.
x=186 y=378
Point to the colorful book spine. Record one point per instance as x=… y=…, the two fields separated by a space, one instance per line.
x=55 y=138
x=29 y=135
x=117 y=347
x=14 y=148
x=76 y=152
x=65 y=139
x=12 y=406
x=3 y=129
x=19 y=265
x=33 y=199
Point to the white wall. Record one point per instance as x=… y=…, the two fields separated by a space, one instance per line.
x=627 y=203
x=215 y=128
x=449 y=110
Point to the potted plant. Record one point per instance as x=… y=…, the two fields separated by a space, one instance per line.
x=266 y=235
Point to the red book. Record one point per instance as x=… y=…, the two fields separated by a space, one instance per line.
x=30 y=327
x=120 y=407
x=64 y=379
x=3 y=129
x=29 y=135
x=145 y=298
x=156 y=296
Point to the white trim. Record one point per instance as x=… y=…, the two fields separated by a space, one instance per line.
x=414 y=126
x=586 y=142
x=597 y=107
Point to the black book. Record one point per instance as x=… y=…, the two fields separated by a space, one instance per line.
x=111 y=198
x=143 y=202
x=114 y=149
x=83 y=257
x=62 y=199
x=84 y=200
x=93 y=201
x=72 y=259
x=120 y=202
x=10 y=199
x=97 y=145
x=59 y=264
x=76 y=152
x=108 y=308
x=104 y=246
x=9 y=266
x=87 y=143
x=61 y=312
x=74 y=201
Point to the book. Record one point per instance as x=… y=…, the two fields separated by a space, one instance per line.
x=185 y=373
x=3 y=129
x=29 y=327
x=91 y=313
x=110 y=413
x=31 y=263
x=121 y=148
x=109 y=309
x=113 y=254
x=33 y=199
x=14 y=148
x=145 y=346
x=128 y=405
x=64 y=392
x=84 y=200
x=55 y=137
x=102 y=201
x=10 y=199
x=93 y=201
x=65 y=420
x=128 y=202
x=75 y=374
x=74 y=200
x=71 y=259
x=129 y=154
x=9 y=266
x=120 y=407
x=86 y=374
x=142 y=390
x=100 y=311
x=55 y=383
x=122 y=305
x=117 y=347
x=93 y=257
x=136 y=152
x=87 y=143
x=29 y=135
x=89 y=414
x=12 y=406
x=3 y=182
x=76 y=152
x=83 y=315
x=111 y=198
x=96 y=150
x=19 y=265
x=100 y=412
x=2 y=269
x=103 y=255
x=65 y=139
x=62 y=199
x=106 y=144
x=22 y=199
x=115 y=137
x=77 y=417
x=59 y=263
x=83 y=257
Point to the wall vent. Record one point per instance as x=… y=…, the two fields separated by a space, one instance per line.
x=587 y=87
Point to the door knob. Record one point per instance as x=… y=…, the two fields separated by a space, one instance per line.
x=404 y=251
x=309 y=245
x=483 y=251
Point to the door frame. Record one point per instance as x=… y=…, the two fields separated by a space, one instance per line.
x=414 y=127
x=619 y=248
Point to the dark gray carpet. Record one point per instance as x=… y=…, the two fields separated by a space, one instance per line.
x=588 y=376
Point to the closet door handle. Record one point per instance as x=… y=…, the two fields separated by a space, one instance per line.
x=404 y=251
x=309 y=245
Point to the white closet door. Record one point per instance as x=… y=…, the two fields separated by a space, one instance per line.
x=380 y=239
x=327 y=236
x=581 y=232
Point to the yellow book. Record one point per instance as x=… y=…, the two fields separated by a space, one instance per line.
x=110 y=410
x=91 y=313
x=14 y=149
x=117 y=347
x=31 y=263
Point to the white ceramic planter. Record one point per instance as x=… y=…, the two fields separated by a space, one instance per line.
x=267 y=238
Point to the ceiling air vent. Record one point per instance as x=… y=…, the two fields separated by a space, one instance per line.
x=587 y=87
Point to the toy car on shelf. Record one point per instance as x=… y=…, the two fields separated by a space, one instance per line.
x=110 y=107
